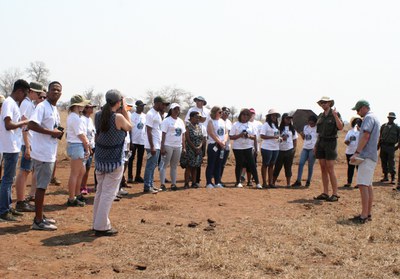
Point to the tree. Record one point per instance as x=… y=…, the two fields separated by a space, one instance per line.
x=37 y=71
x=98 y=100
x=7 y=80
x=89 y=94
x=234 y=111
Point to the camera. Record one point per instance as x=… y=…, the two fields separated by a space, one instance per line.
x=245 y=133
x=60 y=129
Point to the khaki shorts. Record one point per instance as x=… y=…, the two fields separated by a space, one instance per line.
x=365 y=173
x=326 y=149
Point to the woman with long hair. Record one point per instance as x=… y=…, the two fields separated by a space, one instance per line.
x=111 y=130
x=244 y=136
x=77 y=149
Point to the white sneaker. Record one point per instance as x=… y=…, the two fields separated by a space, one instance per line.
x=219 y=185
x=210 y=186
x=240 y=185
x=122 y=192
x=259 y=186
x=43 y=226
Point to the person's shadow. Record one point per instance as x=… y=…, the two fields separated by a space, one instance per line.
x=69 y=238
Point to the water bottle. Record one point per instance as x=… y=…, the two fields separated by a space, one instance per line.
x=221 y=154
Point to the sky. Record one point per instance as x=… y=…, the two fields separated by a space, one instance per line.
x=261 y=54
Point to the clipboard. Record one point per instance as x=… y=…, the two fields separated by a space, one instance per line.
x=356 y=161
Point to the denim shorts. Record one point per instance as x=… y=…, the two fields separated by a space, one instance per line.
x=26 y=164
x=269 y=157
x=75 y=151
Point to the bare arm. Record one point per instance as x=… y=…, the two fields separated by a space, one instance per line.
x=14 y=125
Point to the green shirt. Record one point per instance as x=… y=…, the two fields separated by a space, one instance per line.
x=326 y=126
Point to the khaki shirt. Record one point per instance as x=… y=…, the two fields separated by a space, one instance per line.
x=326 y=126
x=389 y=134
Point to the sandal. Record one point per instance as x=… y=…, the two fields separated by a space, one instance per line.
x=322 y=197
x=333 y=198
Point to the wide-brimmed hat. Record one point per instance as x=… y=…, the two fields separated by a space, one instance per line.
x=326 y=99
x=200 y=98
x=391 y=115
x=273 y=111
x=174 y=105
x=354 y=118
x=36 y=87
x=90 y=105
x=78 y=100
x=129 y=101
x=160 y=99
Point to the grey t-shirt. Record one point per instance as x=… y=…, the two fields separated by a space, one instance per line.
x=370 y=124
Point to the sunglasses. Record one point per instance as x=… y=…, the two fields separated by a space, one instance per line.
x=42 y=97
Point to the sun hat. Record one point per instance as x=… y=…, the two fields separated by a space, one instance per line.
x=2 y=99
x=200 y=98
x=354 y=118
x=360 y=104
x=129 y=101
x=326 y=99
x=273 y=111
x=139 y=103
x=36 y=87
x=113 y=96
x=391 y=115
x=160 y=99
x=78 y=100
x=252 y=110
x=90 y=105
x=174 y=105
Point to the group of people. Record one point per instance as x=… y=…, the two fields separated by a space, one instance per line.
x=30 y=124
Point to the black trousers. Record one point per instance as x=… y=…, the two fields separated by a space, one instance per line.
x=139 y=148
x=387 y=159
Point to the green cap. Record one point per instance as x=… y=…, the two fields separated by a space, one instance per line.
x=78 y=100
x=360 y=104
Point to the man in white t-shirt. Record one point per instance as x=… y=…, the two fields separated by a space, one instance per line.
x=152 y=142
x=10 y=145
x=45 y=122
x=27 y=107
x=138 y=119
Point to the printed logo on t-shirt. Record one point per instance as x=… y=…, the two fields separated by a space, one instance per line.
x=140 y=125
x=308 y=137
x=353 y=138
x=178 y=132
x=220 y=131
x=276 y=133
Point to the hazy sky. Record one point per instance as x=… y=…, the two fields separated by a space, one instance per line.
x=261 y=54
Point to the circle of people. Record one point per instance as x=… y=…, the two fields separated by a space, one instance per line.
x=30 y=125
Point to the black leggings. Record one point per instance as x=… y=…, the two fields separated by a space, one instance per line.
x=245 y=158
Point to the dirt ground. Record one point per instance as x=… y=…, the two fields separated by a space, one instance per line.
x=281 y=233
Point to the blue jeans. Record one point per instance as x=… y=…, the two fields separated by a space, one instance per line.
x=151 y=165
x=306 y=155
x=10 y=166
x=214 y=164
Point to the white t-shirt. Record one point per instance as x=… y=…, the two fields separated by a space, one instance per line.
x=44 y=147
x=75 y=127
x=228 y=126
x=257 y=124
x=90 y=130
x=153 y=120
x=267 y=130
x=203 y=112
x=173 y=129
x=353 y=136
x=310 y=137
x=10 y=141
x=138 y=128
x=27 y=107
x=127 y=141
x=219 y=130
x=242 y=143
x=287 y=144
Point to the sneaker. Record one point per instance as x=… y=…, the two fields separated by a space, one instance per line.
x=195 y=185
x=156 y=189
x=296 y=184
x=162 y=188
x=122 y=192
x=30 y=198
x=130 y=180
x=82 y=198
x=116 y=198
x=308 y=184
x=242 y=179
x=259 y=186
x=24 y=206
x=150 y=190
x=110 y=232
x=84 y=191
x=8 y=216
x=49 y=220
x=75 y=202
x=249 y=183
x=15 y=212
x=43 y=226
x=174 y=188
x=55 y=181
x=219 y=185
x=239 y=185
x=139 y=180
x=210 y=186
x=397 y=188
